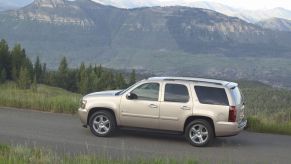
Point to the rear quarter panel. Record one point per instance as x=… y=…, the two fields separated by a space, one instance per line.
x=218 y=113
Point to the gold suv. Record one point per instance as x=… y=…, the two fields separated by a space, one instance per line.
x=201 y=109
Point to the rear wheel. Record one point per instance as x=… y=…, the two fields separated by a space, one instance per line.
x=199 y=133
x=102 y=124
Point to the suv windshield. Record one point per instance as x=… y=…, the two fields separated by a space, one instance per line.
x=123 y=91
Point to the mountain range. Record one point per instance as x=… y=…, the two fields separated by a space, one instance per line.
x=12 y=4
x=172 y=40
x=276 y=24
x=251 y=16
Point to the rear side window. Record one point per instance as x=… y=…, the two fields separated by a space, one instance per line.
x=176 y=93
x=211 y=95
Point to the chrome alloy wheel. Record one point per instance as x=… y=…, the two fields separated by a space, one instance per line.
x=101 y=124
x=198 y=134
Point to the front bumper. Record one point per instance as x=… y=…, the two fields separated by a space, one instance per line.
x=83 y=115
x=229 y=128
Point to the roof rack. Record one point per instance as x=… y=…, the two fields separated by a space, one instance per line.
x=212 y=81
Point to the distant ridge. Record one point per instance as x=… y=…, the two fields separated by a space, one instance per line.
x=247 y=15
x=276 y=24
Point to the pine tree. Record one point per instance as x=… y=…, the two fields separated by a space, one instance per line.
x=103 y=81
x=92 y=81
x=14 y=73
x=17 y=58
x=112 y=82
x=120 y=82
x=24 y=81
x=72 y=81
x=63 y=71
x=132 y=78
x=83 y=79
x=43 y=73
x=28 y=64
x=3 y=76
x=98 y=70
x=37 y=70
x=34 y=84
x=5 y=63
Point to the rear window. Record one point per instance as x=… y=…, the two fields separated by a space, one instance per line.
x=237 y=95
x=211 y=95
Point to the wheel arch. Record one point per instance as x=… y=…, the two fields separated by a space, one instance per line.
x=192 y=118
x=96 y=109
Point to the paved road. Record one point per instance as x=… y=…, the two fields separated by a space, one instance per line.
x=63 y=133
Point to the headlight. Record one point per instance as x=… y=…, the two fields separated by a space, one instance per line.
x=83 y=104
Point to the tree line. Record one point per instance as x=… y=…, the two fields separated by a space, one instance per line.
x=16 y=66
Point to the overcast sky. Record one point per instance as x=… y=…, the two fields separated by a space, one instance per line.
x=245 y=4
x=254 y=4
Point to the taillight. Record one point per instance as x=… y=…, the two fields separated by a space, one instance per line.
x=232 y=114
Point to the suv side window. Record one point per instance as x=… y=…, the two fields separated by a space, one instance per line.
x=147 y=91
x=176 y=93
x=211 y=95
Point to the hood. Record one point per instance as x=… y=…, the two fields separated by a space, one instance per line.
x=102 y=93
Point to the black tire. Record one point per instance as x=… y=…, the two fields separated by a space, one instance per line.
x=110 y=125
x=198 y=134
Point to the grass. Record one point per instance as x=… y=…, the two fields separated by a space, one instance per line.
x=46 y=98
x=264 y=125
x=268 y=109
x=23 y=155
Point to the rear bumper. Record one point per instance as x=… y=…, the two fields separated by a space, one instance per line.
x=83 y=114
x=229 y=128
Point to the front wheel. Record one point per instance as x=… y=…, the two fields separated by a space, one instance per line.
x=102 y=124
x=199 y=133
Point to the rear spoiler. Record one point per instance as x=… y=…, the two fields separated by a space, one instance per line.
x=231 y=85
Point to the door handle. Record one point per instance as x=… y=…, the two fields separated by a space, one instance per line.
x=185 y=108
x=153 y=106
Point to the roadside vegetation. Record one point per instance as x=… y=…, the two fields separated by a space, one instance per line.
x=268 y=109
x=23 y=155
x=43 y=98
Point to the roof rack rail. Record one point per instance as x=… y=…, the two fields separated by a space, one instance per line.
x=216 y=83
x=211 y=81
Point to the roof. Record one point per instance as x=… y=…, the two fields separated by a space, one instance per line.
x=212 y=81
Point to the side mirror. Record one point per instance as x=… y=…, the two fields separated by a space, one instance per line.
x=131 y=96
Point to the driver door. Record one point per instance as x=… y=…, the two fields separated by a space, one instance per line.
x=143 y=110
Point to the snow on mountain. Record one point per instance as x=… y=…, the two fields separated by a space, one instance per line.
x=13 y=4
x=247 y=15
x=276 y=24
x=251 y=16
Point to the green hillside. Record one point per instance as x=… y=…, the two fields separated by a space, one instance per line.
x=46 y=98
x=273 y=70
x=268 y=109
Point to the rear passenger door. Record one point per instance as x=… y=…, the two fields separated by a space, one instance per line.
x=176 y=105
